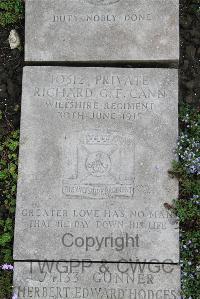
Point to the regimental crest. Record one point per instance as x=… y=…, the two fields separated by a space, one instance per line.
x=102 y=2
x=99 y=165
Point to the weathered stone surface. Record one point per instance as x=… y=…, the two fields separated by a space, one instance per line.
x=94 y=281
x=96 y=146
x=84 y=30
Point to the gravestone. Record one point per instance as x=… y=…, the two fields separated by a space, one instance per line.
x=102 y=30
x=94 y=281
x=95 y=149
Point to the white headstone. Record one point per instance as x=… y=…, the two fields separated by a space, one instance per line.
x=96 y=146
x=102 y=31
x=95 y=281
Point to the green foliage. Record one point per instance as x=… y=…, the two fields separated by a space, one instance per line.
x=190 y=260
x=5 y=284
x=196 y=6
x=8 y=181
x=187 y=207
x=11 y=11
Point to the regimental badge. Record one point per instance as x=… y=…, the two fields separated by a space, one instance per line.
x=100 y=165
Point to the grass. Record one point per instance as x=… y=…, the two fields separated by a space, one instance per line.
x=11 y=11
x=187 y=206
x=8 y=184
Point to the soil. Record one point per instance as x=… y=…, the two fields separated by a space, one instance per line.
x=190 y=52
x=11 y=64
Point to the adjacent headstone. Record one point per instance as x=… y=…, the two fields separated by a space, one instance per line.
x=96 y=146
x=102 y=30
x=94 y=281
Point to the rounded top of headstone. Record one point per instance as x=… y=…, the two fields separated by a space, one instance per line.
x=102 y=2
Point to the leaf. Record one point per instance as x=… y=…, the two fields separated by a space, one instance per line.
x=3 y=174
x=13 y=145
x=12 y=169
x=5 y=238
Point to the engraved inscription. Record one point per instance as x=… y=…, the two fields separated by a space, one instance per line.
x=76 y=279
x=101 y=97
x=103 y=219
x=136 y=17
